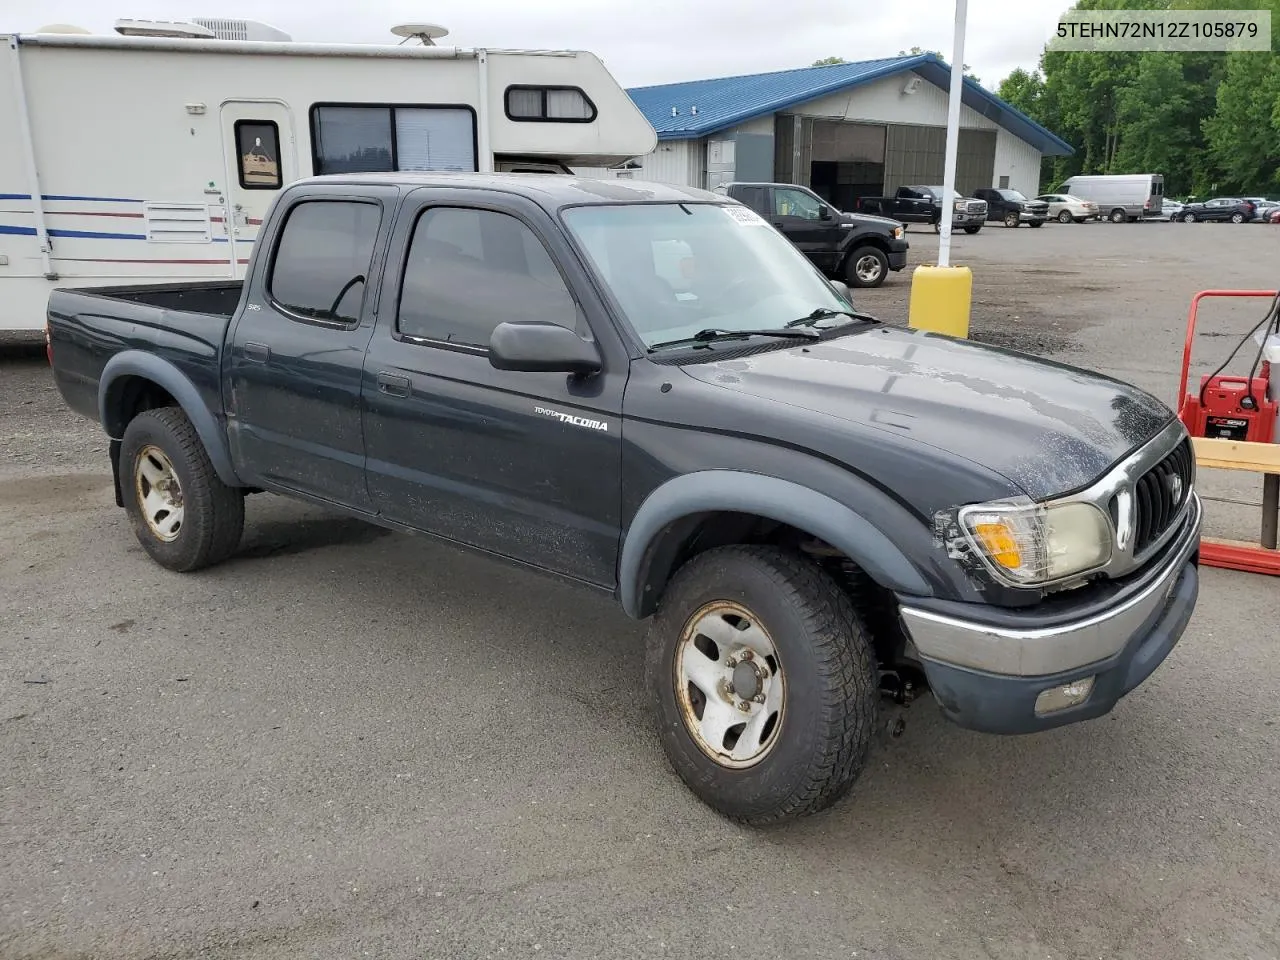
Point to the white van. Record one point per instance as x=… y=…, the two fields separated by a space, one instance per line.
x=1121 y=197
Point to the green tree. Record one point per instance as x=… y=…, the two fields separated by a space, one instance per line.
x=917 y=51
x=829 y=61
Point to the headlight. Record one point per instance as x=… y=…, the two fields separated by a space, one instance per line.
x=1038 y=543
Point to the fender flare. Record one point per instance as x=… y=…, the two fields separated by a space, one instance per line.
x=148 y=366
x=713 y=491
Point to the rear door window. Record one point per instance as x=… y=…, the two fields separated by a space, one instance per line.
x=321 y=263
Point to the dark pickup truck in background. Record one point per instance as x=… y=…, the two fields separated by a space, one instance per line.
x=923 y=204
x=1013 y=208
x=648 y=391
x=861 y=250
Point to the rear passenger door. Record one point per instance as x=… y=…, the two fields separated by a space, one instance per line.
x=295 y=358
x=525 y=465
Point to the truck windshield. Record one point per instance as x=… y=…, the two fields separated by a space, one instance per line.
x=679 y=268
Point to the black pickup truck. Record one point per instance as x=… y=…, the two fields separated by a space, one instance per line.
x=918 y=203
x=648 y=391
x=861 y=250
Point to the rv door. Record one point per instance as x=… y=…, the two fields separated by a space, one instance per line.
x=258 y=147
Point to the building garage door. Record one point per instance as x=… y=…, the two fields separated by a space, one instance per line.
x=915 y=154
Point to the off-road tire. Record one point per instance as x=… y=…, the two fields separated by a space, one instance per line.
x=213 y=513
x=826 y=660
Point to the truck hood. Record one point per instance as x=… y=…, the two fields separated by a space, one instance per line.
x=866 y=218
x=1046 y=427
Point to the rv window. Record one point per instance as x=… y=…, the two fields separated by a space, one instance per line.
x=469 y=270
x=258 y=150
x=549 y=104
x=380 y=139
x=322 y=259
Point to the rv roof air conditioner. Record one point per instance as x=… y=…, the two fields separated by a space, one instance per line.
x=225 y=28
x=163 y=28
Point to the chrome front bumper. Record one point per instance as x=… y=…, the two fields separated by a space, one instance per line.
x=987 y=676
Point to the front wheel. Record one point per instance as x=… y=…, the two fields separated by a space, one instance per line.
x=1037 y=223
x=1011 y=219
x=972 y=230
x=867 y=267
x=1188 y=218
x=764 y=683
x=182 y=514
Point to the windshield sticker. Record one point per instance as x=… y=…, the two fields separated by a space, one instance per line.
x=746 y=216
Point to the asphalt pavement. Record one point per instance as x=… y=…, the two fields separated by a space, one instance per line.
x=348 y=743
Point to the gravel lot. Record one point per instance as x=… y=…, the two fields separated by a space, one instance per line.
x=353 y=743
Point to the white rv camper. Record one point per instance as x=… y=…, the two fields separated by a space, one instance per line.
x=137 y=158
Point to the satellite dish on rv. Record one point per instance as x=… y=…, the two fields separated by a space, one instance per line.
x=163 y=28
x=427 y=33
x=64 y=28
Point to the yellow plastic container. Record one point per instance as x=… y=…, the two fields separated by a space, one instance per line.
x=941 y=298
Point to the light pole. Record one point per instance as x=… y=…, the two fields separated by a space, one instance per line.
x=953 y=134
x=941 y=294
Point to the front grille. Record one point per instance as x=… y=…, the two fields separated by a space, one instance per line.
x=1159 y=495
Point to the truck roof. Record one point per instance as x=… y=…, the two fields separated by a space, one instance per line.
x=552 y=191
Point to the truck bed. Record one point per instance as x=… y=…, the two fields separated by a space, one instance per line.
x=182 y=324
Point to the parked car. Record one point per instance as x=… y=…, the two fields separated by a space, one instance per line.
x=812 y=508
x=1262 y=209
x=923 y=204
x=1274 y=216
x=1233 y=209
x=1012 y=208
x=1170 y=209
x=859 y=249
x=1066 y=208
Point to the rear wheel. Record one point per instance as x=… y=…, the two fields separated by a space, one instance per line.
x=1118 y=215
x=1237 y=217
x=866 y=267
x=182 y=514
x=1064 y=217
x=764 y=682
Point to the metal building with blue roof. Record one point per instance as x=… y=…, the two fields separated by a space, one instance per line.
x=845 y=130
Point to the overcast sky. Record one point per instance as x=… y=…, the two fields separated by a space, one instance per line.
x=642 y=42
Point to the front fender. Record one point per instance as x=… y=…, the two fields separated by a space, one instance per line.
x=712 y=491
x=148 y=366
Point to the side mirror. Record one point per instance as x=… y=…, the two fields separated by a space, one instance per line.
x=842 y=290
x=540 y=347
x=825 y=212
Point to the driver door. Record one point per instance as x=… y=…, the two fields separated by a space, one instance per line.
x=798 y=214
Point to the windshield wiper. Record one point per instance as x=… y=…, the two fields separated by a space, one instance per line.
x=714 y=335
x=824 y=313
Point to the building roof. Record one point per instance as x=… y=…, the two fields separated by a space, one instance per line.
x=704 y=107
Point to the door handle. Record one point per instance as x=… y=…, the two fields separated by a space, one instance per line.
x=259 y=352
x=392 y=385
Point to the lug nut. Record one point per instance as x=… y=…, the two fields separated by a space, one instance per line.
x=731 y=663
x=747 y=654
x=758 y=698
x=744 y=706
